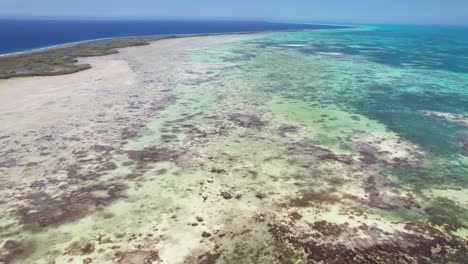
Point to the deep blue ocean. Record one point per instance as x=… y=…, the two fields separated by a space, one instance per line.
x=22 y=35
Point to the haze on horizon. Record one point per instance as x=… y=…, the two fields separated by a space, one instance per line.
x=338 y=11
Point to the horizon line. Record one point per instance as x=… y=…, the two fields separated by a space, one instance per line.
x=234 y=19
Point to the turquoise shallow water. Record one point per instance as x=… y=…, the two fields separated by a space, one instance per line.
x=390 y=73
x=325 y=146
x=393 y=99
x=385 y=73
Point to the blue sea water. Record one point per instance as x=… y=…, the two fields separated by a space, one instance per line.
x=413 y=68
x=21 y=35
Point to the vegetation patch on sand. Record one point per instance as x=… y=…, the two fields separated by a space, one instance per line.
x=63 y=59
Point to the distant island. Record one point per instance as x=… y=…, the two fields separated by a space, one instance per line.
x=62 y=59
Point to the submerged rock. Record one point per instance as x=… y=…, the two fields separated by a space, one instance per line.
x=247 y=121
x=226 y=195
x=206 y=234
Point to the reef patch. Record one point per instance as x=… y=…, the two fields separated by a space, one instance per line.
x=43 y=211
x=247 y=120
x=459 y=119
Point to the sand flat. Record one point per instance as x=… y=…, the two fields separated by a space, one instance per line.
x=217 y=149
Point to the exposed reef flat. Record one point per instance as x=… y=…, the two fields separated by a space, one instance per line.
x=215 y=150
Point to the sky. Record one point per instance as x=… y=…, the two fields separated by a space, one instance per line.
x=331 y=11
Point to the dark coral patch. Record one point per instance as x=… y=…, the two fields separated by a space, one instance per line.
x=44 y=211
x=168 y=137
x=226 y=195
x=374 y=195
x=381 y=200
x=10 y=250
x=8 y=163
x=128 y=133
x=324 y=243
x=463 y=141
x=247 y=121
x=309 y=149
x=283 y=130
x=206 y=234
x=307 y=198
x=208 y=258
x=445 y=212
x=154 y=155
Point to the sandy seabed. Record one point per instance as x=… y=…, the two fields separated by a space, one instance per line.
x=153 y=156
x=59 y=135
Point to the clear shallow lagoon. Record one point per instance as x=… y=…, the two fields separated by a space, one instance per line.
x=329 y=146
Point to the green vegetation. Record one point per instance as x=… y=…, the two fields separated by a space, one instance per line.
x=63 y=59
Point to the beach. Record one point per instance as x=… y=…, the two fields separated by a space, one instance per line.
x=73 y=124
x=213 y=149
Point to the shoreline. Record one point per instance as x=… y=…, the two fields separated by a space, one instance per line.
x=64 y=59
x=164 y=36
x=68 y=44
